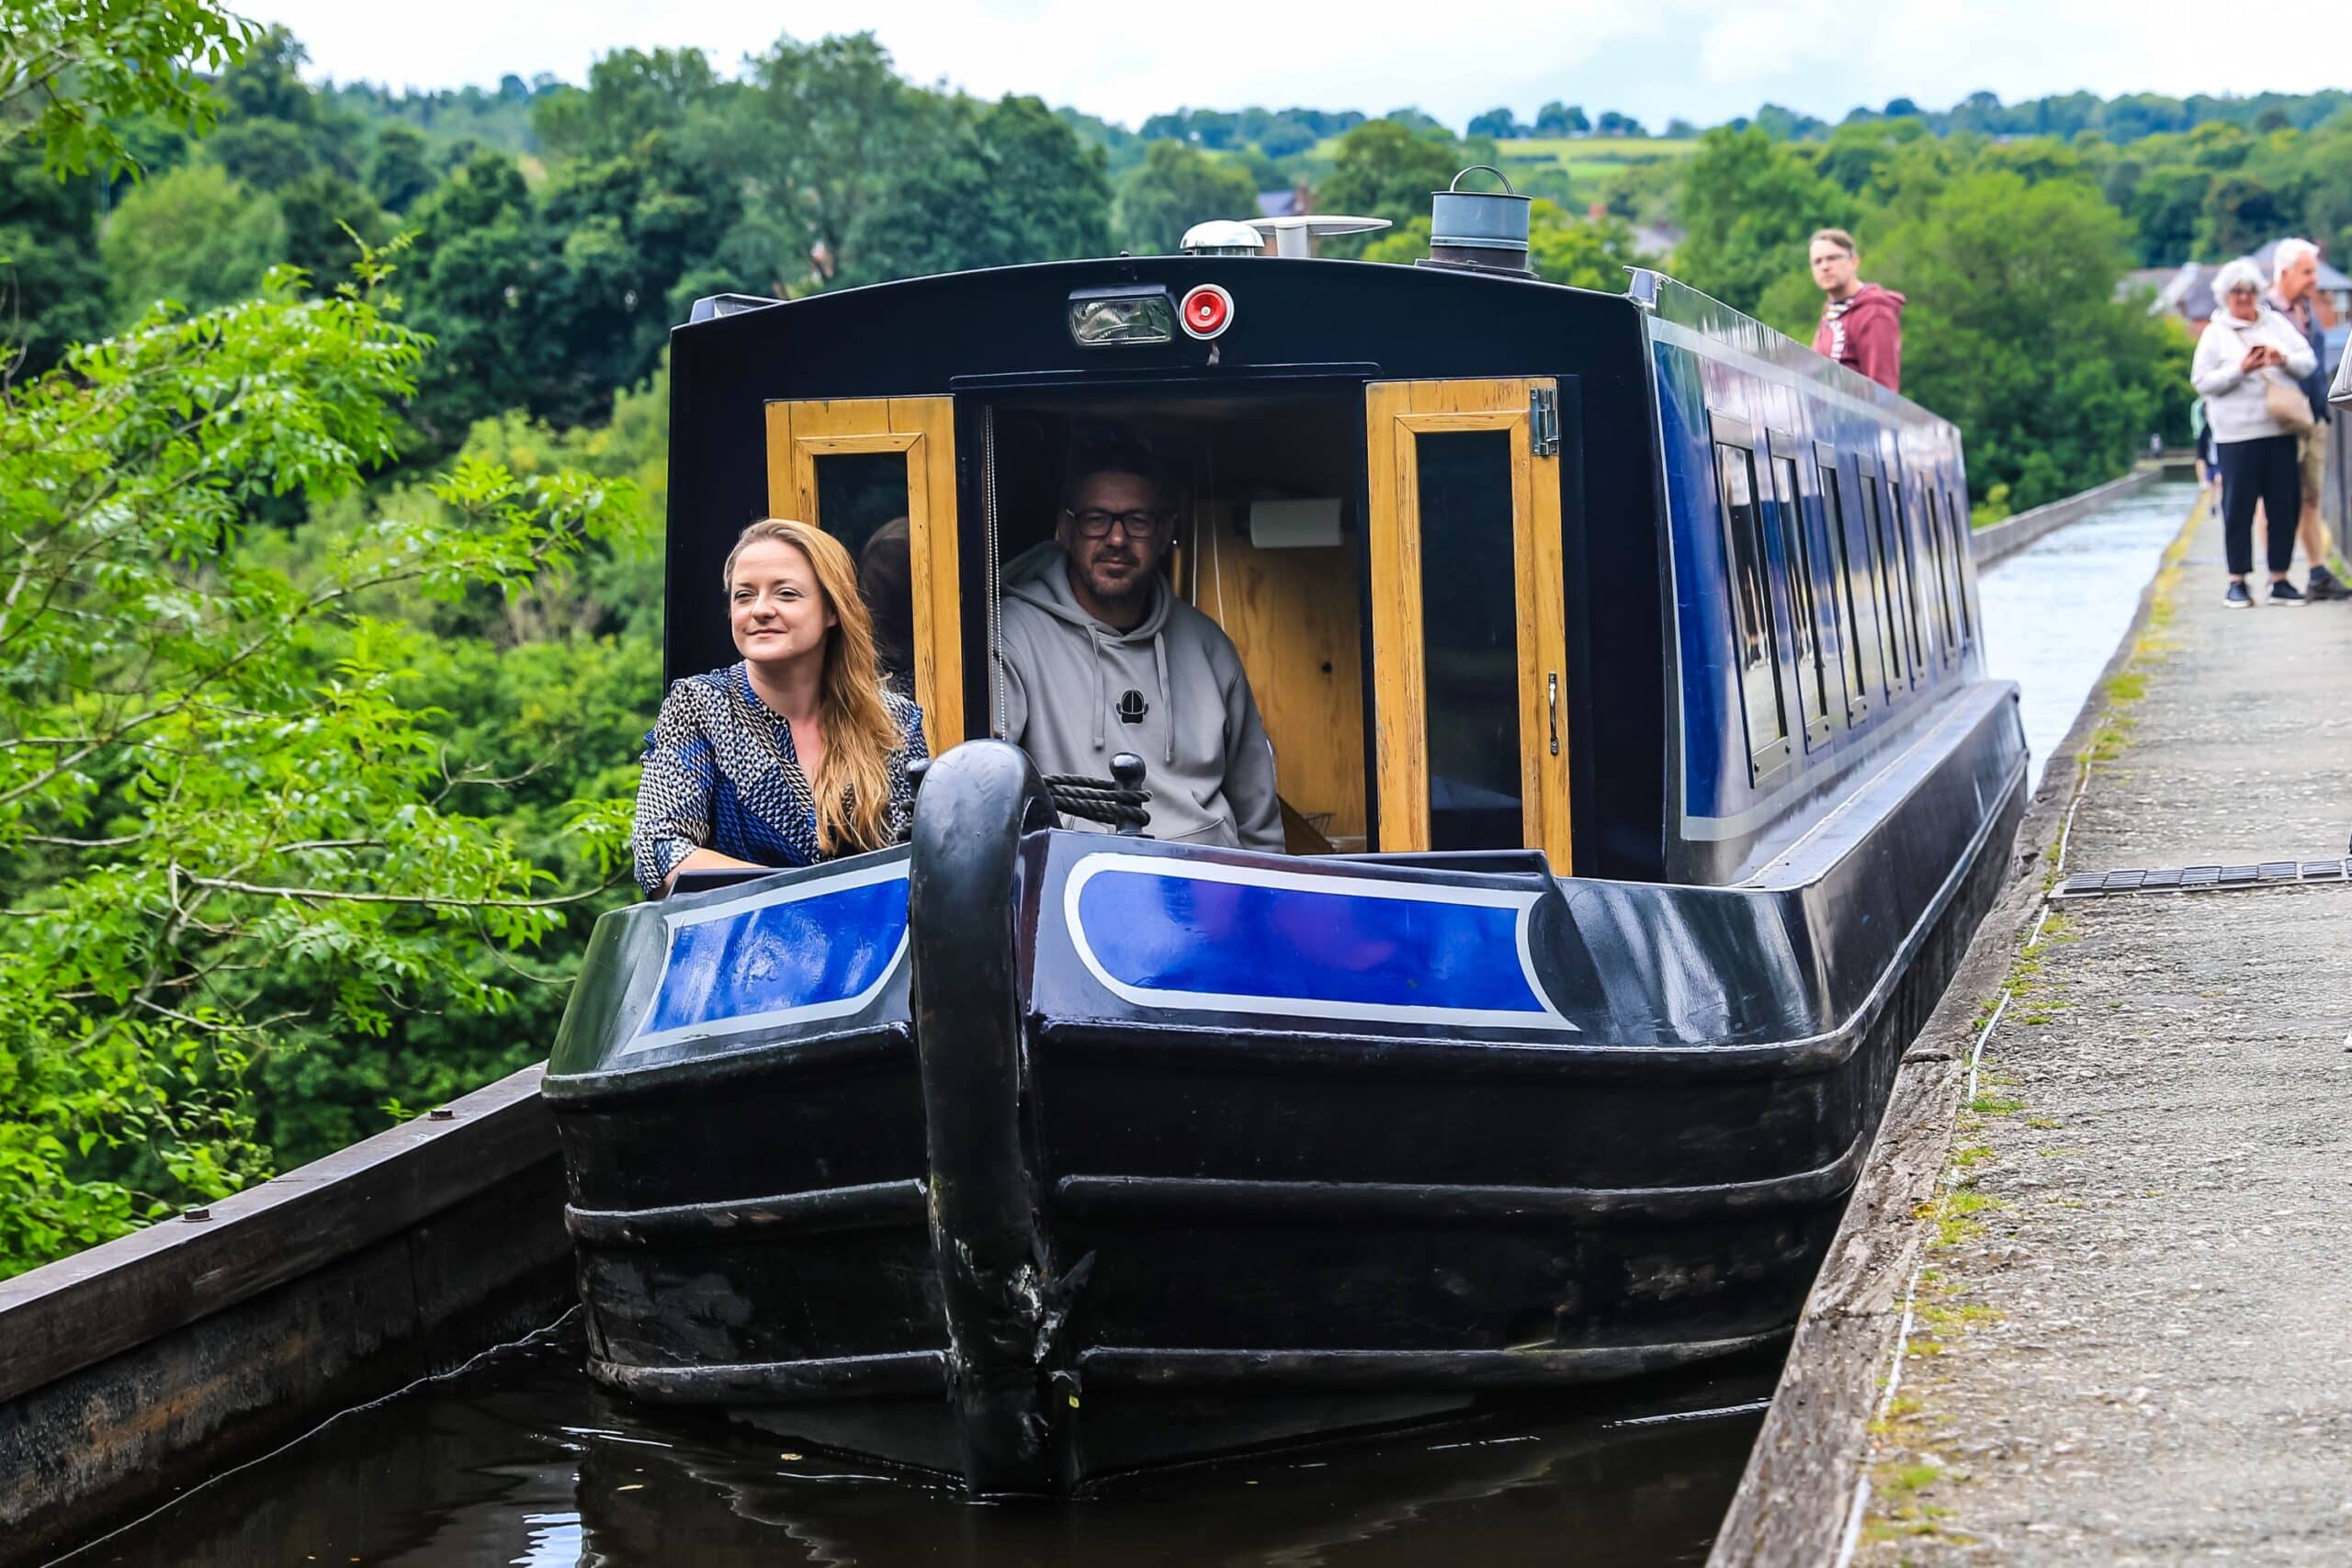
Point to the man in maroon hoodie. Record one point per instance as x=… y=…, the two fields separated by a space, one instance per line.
x=1862 y=325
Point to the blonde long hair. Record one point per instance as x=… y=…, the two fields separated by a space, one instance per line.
x=853 y=785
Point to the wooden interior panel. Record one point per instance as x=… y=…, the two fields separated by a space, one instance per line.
x=1293 y=616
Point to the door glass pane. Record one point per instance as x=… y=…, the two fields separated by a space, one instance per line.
x=1760 y=663
x=862 y=501
x=1470 y=639
x=1843 y=596
x=1805 y=610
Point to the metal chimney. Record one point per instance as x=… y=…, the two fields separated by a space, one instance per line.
x=1485 y=230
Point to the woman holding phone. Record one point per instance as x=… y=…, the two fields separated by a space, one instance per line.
x=2248 y=350
x=797 y=753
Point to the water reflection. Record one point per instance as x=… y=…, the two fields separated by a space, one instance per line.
x=523 y=1461
x=2054 y=611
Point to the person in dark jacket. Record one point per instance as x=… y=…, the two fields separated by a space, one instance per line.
x=1862 y=323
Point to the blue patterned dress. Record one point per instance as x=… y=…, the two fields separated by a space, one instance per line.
x=722 y=773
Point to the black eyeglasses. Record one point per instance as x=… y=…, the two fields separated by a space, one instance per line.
x=1093 y=524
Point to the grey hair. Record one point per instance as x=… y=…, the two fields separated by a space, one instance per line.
x=2243 y=272
x=2289 y=252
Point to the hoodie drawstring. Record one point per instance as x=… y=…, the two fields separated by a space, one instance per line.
x=1102 y=681
x=1166 y=718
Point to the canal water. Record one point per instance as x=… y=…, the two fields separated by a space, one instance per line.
x=2054 y=610
x=518 y=1459
x=521 y=1461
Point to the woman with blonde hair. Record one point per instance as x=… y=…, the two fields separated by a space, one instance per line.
x=796 y=754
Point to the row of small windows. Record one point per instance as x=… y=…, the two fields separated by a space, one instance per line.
x=1890 y=556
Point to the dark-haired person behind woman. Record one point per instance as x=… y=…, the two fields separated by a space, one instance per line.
x=799 y=753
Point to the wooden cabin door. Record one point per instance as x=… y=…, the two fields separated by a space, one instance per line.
x=854 y=465
x=1469 y=641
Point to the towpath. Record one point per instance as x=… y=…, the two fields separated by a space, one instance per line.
x=2132 y=1338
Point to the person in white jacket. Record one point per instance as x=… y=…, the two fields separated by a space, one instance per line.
x=2248 y=349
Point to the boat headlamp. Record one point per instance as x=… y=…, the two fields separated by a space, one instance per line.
x=1112 y=317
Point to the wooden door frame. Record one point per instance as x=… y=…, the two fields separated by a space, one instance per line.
x=799 y=433
x=1397 y=413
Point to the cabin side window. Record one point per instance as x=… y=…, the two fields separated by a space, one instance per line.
x=1940 y=555
x=1844 y=584
x=1957 y=508
x=1804 y=605
x=1914 y=616
x=1886 y=585
x=1756 y=651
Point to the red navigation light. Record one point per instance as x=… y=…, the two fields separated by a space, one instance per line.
x=1207 y=311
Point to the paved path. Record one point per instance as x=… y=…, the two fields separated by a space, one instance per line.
x=2133 y=1343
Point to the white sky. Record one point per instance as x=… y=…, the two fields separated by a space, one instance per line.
x=1654 y=59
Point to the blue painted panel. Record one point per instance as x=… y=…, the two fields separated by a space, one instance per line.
x=814 y=955
x=1273 y=939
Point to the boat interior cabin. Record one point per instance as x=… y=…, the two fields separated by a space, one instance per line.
x=1297 y=520
x=1510 y=567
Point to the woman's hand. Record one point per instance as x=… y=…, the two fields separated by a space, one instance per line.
x=709 y=860
x=2257 y=358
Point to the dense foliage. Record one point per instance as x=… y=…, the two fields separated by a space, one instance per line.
x=230 y=830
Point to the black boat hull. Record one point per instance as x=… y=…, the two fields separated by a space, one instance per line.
x=1033 y=1197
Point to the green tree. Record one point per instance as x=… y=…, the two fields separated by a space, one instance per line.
x=265 y=81
x=227 y=829
x=1385 y=169
x=1174 y=187
x=1557 y=118
x=71 y=70
x=323 y=212
x=630 y=95
x=2242 y=212
x=52 y=287
x=1008 y=182
x=1748 y=205
x=264 y=154
x=195 y=236
x=2015 y=333
x=1498 y=123
x=822 y=132
x=400 y=171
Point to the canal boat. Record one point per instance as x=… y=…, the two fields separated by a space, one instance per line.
x=1642 y=786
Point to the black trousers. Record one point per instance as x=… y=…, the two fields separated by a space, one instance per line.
x=2263 y=470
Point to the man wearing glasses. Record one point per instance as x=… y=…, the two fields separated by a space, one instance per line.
x=1099 y=657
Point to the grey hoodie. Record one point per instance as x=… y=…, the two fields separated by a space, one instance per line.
x=1068 y=677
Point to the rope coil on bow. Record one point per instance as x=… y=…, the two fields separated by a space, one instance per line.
x=1098 y=800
